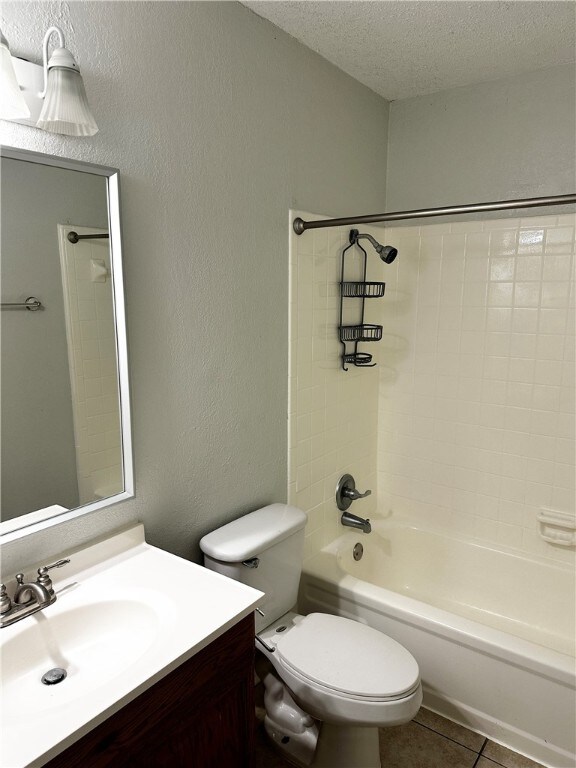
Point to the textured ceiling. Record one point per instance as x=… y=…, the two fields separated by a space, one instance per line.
x=402 y=48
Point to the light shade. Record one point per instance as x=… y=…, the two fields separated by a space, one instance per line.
x=66 y=107
x=12 y=104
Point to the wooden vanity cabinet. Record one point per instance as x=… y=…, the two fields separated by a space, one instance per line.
x=201 y=715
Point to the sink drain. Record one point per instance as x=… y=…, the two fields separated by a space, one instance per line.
x=54 y=676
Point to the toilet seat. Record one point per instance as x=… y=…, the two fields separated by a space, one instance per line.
x=316 y=650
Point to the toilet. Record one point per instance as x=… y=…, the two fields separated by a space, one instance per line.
x=332 y=681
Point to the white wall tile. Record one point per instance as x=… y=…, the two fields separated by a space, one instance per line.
x=503 y=398
x=333 y=413
x=89 y=307
x=467 y=422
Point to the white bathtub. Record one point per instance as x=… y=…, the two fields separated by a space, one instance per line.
x=493 y=632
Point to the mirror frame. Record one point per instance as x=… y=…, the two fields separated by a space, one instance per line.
x=39 y=520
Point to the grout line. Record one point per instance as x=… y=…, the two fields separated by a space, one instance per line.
x=480 y=753
x=448 y=738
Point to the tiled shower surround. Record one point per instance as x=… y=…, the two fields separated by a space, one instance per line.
x=333 y=415
x=467 y=423
x=89 y=310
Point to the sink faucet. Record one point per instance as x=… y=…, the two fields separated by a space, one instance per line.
x=353 y=521
x=29 y=593
x=28 y=597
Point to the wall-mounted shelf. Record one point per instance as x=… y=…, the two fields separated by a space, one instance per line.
x=351 y=290
x=358 y=359
x=365 y=332
x=557 y=526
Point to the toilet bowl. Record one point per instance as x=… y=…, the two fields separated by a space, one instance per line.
x=351 y=678
x=341 y=671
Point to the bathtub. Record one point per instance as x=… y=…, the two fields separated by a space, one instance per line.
x=493 y=632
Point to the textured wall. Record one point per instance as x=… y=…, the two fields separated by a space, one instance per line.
x=499 y=140
x=219 y=123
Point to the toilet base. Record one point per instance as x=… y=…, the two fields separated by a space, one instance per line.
x=296 y=734
x=343 y=746
x=291 y=729
x=296 y=748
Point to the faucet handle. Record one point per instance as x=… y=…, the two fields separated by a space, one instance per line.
x=5 y=602
x=354 y=493
x=43 y=579
x=57 y=564
x=346 y=492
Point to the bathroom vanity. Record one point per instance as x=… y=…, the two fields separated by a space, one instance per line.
x=202 y=714
x=158 y=654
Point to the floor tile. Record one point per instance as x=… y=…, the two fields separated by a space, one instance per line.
x=450 y=729
x=414 y=746
x=428 y=742
x=507 y=758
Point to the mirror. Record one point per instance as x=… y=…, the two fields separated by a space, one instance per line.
x=66 y=439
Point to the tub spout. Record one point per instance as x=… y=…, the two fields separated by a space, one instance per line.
x=353 y=521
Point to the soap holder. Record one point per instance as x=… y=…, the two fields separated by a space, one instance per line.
x=557 y=527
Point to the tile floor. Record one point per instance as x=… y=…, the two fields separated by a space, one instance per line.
x=429 y=741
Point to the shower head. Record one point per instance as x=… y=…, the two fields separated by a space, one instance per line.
x=386 y=252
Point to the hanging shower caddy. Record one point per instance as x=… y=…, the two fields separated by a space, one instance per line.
x=352 y=335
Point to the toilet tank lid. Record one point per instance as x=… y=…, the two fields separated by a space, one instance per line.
x=250 y=535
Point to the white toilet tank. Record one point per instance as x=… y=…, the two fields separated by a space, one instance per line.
x=263 y=549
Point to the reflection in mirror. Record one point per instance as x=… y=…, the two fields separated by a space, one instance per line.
x=65 y=420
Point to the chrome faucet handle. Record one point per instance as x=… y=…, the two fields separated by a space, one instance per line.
x=5 y=602
x=43 y=579
x=57 y=564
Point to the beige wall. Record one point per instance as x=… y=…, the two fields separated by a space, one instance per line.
x=219 y=123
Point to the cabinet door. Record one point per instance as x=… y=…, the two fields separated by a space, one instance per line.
x=199 y=716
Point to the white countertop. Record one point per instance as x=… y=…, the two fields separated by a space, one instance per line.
x=154 y=611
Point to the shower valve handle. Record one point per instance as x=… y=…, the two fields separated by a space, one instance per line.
x=346 y=492
x=354 y=493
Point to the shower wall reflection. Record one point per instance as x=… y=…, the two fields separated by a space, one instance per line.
x=39 y=462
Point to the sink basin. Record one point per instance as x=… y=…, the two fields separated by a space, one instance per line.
x=113 y=636
x=94 y=644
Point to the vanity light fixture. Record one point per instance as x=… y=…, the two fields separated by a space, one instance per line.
x=65 y=107
x=13 y=103
x=62 y=104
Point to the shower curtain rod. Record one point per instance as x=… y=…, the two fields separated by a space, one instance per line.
x=74 y=237
x=300 y=226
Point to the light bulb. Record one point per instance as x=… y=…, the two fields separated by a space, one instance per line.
x=13 y=105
